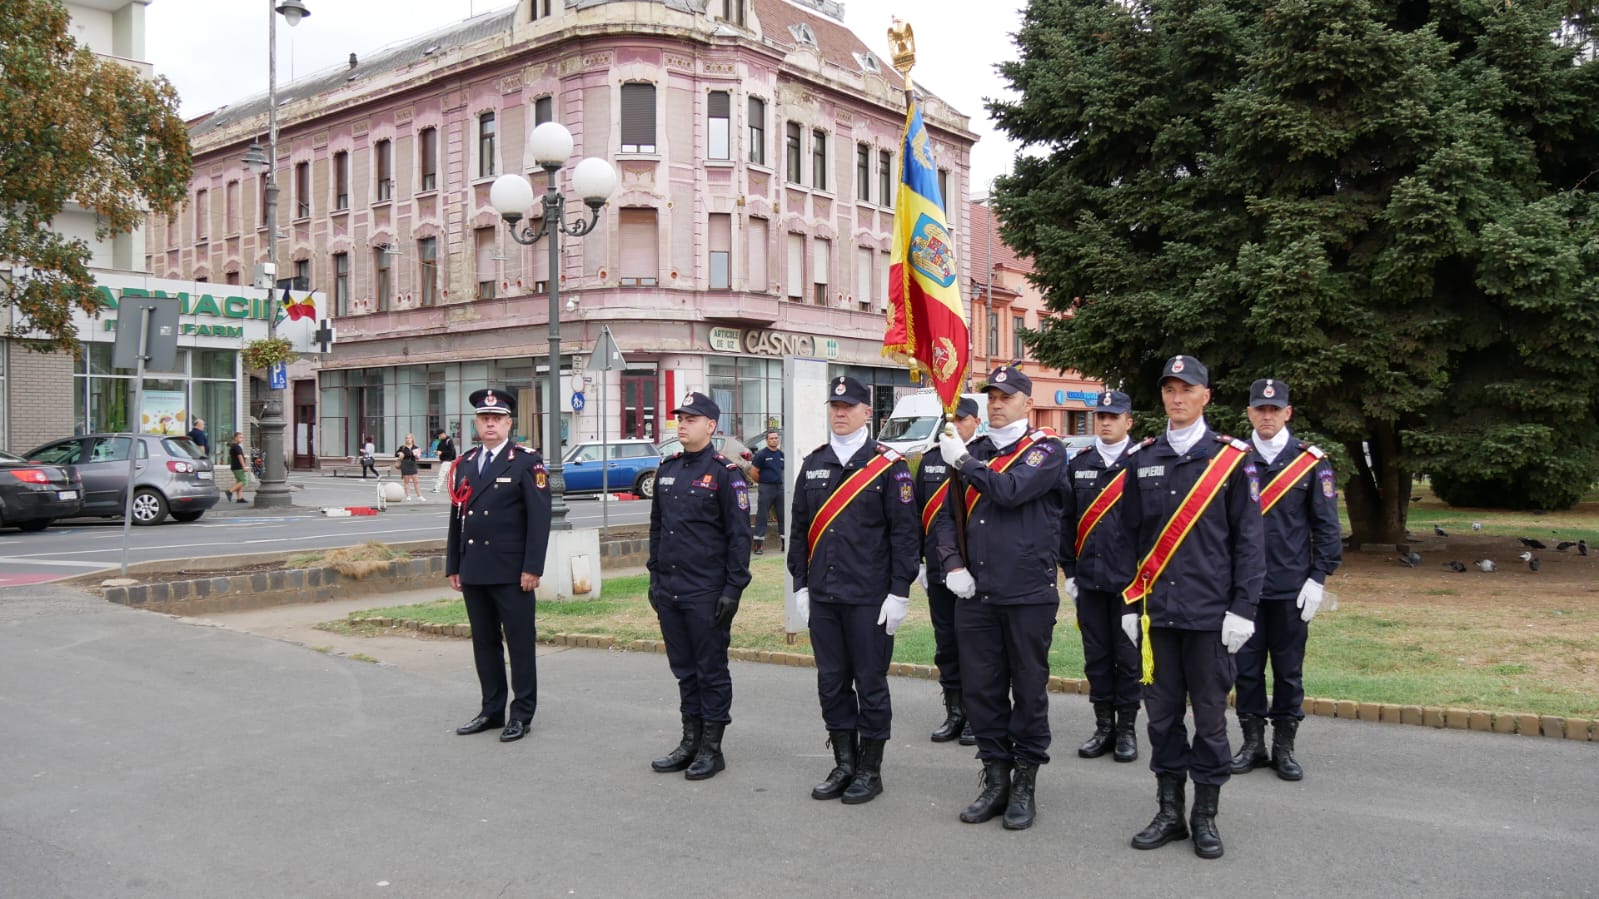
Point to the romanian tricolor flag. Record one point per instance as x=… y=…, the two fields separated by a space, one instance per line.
x=294 y=310
x=926 y=317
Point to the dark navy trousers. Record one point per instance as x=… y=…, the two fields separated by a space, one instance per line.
x=1191 y=667
x=696 y=650
x=1005 y=677
x=946 y=654
x=768 y=499
x=852 y=654
x=1280 y=637
x=1110 y=660
x=493 y=609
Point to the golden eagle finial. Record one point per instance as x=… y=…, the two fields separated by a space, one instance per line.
x=902 y=47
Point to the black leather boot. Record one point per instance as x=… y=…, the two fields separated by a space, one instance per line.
x=954 y=718
x=679 y=758
x=708 y=760
x=843 y=743
x=995 y=795
x=968 y=738
x=1252 y=754
x=1207 y=841
x=1104 y=725
x=1127 y=734
x=1282 y=748
x=1168 y=822
x=868 y=780
x=1022 y=808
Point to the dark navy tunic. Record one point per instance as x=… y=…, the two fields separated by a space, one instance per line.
x=699 y=528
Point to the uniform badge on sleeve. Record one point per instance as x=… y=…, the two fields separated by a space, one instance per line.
x=1035 y=458
x=1327 y=488
x=541 y=477
x=741 y=492
x=907 y=489
x=1253 y=475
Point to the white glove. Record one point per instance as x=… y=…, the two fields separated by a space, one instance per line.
x=1309 y=600
x=1236 y=631
x=951 y=446
x=921 y=575
x=894 y=610
x=802 y=605
x=961 y=584
x=1071 y=588
x=1130 y=626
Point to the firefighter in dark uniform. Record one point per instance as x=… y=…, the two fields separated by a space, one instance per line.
x=1096 y=575
x=930 y=477
x=1198 y=588
x=1299 y=502
x=1006 y=582
x=699 y=566
x=853 y=556
x=499 y=531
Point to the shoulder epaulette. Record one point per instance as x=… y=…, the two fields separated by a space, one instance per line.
x=1041 y=433
x=1148 y=441
x=1236 y=443
x=820 y=448
x=731 y=465
x=1315 y=451
x=889 y=452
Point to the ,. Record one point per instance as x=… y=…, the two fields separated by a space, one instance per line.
x=172 y=476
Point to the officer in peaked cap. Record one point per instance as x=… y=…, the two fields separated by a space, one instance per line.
x=699 y=566
x=1199 y=589
x=853 y=554
x=1004 y=574
x=1299 y=502
x=1098 y=563
x=499 y=532
x=932 y=477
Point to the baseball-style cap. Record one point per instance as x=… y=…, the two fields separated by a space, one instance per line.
x=489 y=401
x=845 y=389
x=1186 y=369
x=699 y=404
x=1268 y=392
x=1010 y=379
x=966 y=408
x=1115 y=402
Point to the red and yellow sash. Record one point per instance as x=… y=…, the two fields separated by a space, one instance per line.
x=1182 y=521
x=1001 y=463
x=934 y=504
x=1101 y=505
x=845 y=494
x=1285 y=481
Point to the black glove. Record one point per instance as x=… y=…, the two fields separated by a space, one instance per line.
x=726 y=608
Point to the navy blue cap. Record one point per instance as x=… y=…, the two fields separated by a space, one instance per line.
x=1186 y=369
x=1268 y=392
x=490 y=401
x=845 y=389
x=699 y=404
x=1115 y=402
x=966 y=408
x=1010 y=379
